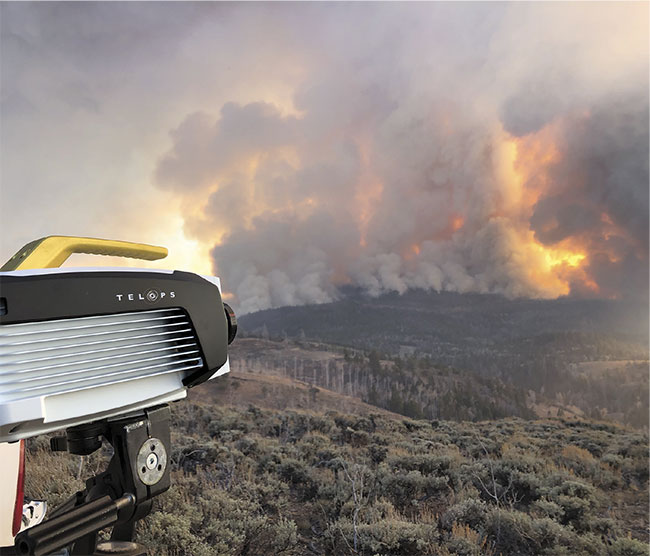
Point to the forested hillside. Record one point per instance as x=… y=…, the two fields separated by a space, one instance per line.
x=439 y=322
x=414 y=387
x=536 y=346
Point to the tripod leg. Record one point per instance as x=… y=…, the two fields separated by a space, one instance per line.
x=75 y=500
x=125 y=531
x=85 y=545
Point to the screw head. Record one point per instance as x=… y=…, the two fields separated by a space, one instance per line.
x=152 y=461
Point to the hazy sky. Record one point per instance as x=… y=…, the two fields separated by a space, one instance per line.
x=294 y=148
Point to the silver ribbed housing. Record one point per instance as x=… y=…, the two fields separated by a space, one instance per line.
x=56 y=356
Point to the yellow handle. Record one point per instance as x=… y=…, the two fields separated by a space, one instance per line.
x=52 y=251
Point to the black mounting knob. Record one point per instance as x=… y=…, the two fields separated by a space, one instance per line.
x=232 y=322
x=59 y=444
x=84 y=439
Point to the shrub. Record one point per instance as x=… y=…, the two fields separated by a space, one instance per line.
x=461 y=546
x=547 y=508
x=517 y=533
x=628 y=547
x=172 y=536
x=297 y=475
x=469 y=512
x=424 y=463
x=579 y=460
x=410 y=488
x=391 y=537
x=576 y=500
x=613 y=460
x=377 y=453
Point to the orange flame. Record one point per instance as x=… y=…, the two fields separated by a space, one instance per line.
x=524 y=171
x=457 y=222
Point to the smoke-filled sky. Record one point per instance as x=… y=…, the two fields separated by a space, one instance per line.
x=295 y=148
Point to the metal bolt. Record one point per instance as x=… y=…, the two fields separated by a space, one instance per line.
x=152 y=461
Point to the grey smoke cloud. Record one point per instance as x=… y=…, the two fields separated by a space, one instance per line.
x=204 y=149
x=418 y=99
x=315 y=145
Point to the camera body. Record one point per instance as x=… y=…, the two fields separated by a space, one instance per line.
x=78 y=345
x=99 y=352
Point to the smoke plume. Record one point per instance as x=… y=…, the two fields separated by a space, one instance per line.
x=470 y=147
x=465 y=148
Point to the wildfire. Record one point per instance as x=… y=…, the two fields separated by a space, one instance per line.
x=457 y=223
x=524 y=172
x=524 y=176
x=555 y=257
x=524 y=165
x=521 y=167
x=411 y=252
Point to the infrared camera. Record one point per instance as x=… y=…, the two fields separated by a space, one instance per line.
x=100 y=353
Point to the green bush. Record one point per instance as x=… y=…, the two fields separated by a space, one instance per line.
x=410 y=488
x=385 y=538
x=628 y=547
x=576 y=499
x=470 y=512
x=517 y=533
